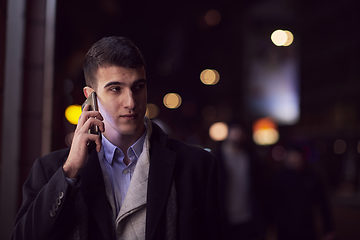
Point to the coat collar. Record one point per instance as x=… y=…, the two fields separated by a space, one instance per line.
x=136 y=196
x=93 y=188
x=162 y=163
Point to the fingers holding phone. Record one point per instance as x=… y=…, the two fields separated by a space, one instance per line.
x=91 y=123
x=87 y=135
x=91 y=102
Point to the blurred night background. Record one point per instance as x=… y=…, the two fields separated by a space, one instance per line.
x=310 y=89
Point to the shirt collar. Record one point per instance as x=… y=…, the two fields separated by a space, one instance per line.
x=133 y=151
x=137 y=147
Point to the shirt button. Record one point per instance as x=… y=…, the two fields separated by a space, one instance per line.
x=125 y=171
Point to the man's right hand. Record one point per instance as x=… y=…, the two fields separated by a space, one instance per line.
x=78 y=155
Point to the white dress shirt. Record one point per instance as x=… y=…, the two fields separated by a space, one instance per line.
x=117 y=175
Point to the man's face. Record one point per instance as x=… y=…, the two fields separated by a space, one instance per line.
x=122 y=98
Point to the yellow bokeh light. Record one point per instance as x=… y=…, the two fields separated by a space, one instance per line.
x=290 y=38
x=282 y=38
x=265 y=132
x=172 y=100
x=152 y=111
x=72 y=113
x=209 y=77
x=266 y=136
x=279 y=37
x=218 y=131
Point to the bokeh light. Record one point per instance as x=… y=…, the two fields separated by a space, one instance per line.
x=264 y=123
x=209 y=77
x=279 y=37
x=339 y=146
x=282 y=38
x=72 y=113
x=172 y=100
x=265 y=132
x=212 y=18
x=218 y=131
x=152 y=111
x=266 y=136
x=290 y=38
x=278 y=153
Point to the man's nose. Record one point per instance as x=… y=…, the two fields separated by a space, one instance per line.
x=129 y=100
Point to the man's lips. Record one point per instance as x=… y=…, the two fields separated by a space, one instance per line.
x=128 y=116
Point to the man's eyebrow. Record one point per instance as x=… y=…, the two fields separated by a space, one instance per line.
x=141 y=80
x=113 y=83
x=116 y=83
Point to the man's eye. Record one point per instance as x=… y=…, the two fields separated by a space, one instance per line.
x=114 y=89
x=139 y=86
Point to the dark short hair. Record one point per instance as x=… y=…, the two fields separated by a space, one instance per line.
x=111 y=51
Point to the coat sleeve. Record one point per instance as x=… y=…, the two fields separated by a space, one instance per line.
x=45 y=194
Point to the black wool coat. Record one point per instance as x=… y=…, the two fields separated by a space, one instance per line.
x=54 y=209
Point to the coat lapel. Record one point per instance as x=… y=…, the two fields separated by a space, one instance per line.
x=137 y=191
x=162 y=163
x=93 y=188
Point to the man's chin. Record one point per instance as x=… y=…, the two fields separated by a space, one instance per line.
x=131 y=130
x=128 y=133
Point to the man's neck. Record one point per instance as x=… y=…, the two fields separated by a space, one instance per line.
x=124 y=141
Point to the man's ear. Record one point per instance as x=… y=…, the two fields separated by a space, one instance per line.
x=87 y=91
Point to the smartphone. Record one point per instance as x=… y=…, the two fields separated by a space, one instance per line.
x=92 y=101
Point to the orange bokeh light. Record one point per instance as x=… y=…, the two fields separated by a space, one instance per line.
x=265 y=132
x=264 y=123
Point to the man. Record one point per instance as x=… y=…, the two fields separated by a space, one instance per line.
x=137 y=184
x=241 y=186
x=300 y=200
